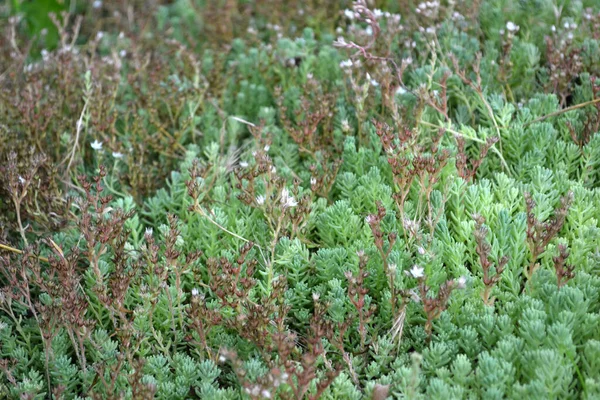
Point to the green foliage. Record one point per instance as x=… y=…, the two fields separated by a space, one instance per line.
x=196 y=203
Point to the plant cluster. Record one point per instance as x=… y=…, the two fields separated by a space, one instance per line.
x=329 y=200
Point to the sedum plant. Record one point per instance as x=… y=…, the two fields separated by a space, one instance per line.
x=334 y=201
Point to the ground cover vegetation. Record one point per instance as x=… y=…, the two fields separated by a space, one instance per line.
x=299 y=200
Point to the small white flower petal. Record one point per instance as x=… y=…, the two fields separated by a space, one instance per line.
x=291 y=202
x=96 y=145
x=346 y=64
x=417 y=272
x=512 y=27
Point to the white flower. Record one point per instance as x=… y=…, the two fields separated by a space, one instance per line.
x=512 y=27
x=290 y=202
x=369 y=30
x=222 y=358
x=21 y=180
x=349 y=14
x=373 y=82
x=97 y=4
x=340 y=42
x=99 y=35
x=116 y=154
x=409 y=224
x=267 y=147
x=400 y=91
x=96 y=145
x=345 y=125
x=421 y=250
x=369 y=219
x=265 y=394
x=273 y=169
x=416 y=272
x=553 y=28
x=195 y=292
x=122 y=53
x=260 y=199
x=287 y=200
x=313 y=181
x=346 y=64
x=243 y=164
x=461 y=282
x=378 y=13
x=149 y=231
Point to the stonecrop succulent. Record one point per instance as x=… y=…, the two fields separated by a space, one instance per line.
x=300 y=200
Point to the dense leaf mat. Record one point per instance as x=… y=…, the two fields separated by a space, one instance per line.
x=256 y=199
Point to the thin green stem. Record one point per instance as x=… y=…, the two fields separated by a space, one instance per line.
x=475 y=139
x=564 y=110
